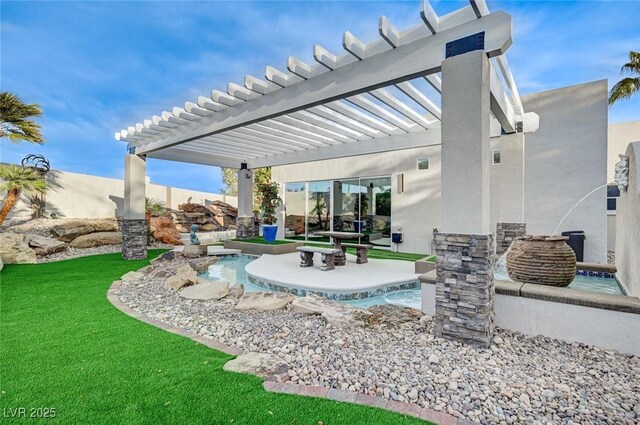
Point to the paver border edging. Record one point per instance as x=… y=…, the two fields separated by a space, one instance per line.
x=411 y=409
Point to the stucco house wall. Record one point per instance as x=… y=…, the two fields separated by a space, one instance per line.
x=563 y=161
x=620 y=135
x=83 y=195
x=628 y=226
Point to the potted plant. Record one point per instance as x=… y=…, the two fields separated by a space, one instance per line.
x=358 y=224
x=269 y=201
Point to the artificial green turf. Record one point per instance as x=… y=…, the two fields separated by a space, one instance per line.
x=64 y=346
x=381 y=254
x=260 y=240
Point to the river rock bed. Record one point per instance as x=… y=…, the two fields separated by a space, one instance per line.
x=520 y=379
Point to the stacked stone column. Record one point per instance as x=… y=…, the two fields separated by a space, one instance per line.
x=246 y=228
x=465 y=288
x=134 y=239
x=507 y=233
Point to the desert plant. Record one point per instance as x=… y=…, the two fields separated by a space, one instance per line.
x=269 y=200
x=628 y=86
x=15 y=122
x=15 y=180
x=361 y=209
x=154 y=207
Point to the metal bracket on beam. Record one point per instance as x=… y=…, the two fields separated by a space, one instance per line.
x=132 y=150
x=519 y=127
x=465 y=45
x=243 y=166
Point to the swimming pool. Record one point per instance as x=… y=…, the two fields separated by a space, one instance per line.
x=231 y=268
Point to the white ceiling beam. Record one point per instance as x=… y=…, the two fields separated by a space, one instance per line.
x=373 y=108
x=500 y=104
x=169 y=117
x=286 y=134
x=224 y=98
x=391 y=101
x=233 y=146
x=181 y=155
x=248 y=131
x=345 y=121
x=382 y=144
x=406 y=62
x=181 y=113
x=356 y=115
x=256 y=141
x=417 y=96
x=297 y=130
x=434 y=81
x=430 y=17
x=353 y=136
x=259 y=85
x=325 y=57
x=158 y=120
x=388 y=32
x=240 y=92
x=354 y=46
x=194 y=109
x=218 y=150
x=480 y=7
x=208 y=103
x=312 y=127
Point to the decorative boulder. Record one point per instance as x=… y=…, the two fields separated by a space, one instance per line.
x=132 y=277
x=261 y=364
x=543 y=260
x=43 y=245
x=193 y=251
x=163 y=230
x=97 y=239
x=201 y=265
x=334 y=312
x=185 y=276
x=236 y=290
x=264 y=301
x=15 y=250
x=206 y=291
x=71 y=230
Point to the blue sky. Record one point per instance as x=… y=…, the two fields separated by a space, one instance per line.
x=97 y=67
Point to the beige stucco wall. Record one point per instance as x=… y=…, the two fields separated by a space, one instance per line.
x=565 y=160
x=620 y=135
x=628 y=226
x=83 y=195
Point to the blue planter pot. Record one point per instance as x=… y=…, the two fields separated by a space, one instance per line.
x=358 y=225
x=269 y=232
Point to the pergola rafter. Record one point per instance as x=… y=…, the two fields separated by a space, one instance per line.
x=343 y=104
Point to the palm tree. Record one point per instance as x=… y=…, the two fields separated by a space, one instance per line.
x=628 y=86
x=15 y=122
x=14 y=180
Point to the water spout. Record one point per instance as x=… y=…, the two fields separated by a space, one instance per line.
x=575 y=205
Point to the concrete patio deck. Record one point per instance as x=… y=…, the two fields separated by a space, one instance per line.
x=285 y=270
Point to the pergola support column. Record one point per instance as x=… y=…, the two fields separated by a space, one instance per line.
x=245 y=223
x=134 y=224
x=465 y=286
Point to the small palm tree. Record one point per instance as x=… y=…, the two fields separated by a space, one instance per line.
x=153 y=207
x=628 y=86
x=14 y=180
x=15 y=122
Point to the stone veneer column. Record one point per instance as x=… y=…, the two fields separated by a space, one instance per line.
x=134 y=224
x=245 y=222
x=465 y=288
x=246 y=228
x=507 y=233
x=134 y=239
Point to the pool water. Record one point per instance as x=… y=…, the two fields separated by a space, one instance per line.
x=231 y=268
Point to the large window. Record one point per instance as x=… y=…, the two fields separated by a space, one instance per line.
x=361 y=205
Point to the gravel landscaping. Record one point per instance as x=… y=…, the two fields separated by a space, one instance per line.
x=520 y=379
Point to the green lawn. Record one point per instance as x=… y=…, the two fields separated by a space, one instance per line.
x=64 y=346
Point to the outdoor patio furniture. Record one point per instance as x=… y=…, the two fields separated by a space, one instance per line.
x=328 y=256
x=337 y=238
x=362 y=251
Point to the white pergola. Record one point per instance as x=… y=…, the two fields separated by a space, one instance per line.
x=364 y=100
